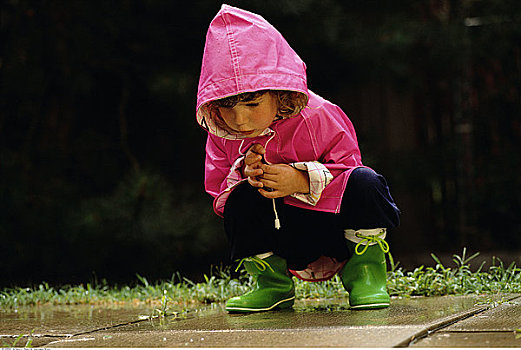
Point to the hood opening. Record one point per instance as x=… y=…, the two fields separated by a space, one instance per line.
x=290 y=104
x=244 y=53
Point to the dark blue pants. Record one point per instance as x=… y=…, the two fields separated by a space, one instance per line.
x=306 y=235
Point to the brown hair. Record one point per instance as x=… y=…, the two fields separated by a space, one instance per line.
x=290 y=103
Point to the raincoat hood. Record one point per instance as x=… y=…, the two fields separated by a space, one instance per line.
x=244 y=53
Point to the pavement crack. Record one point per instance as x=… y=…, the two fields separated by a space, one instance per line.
x=480 y=331
x=437 y=326
x=68 y=337
x=107 y=328
x=446 y=322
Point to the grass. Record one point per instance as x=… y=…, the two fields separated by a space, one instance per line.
x=16 y=342
x=178 y=290
x=442 y=280
x=220 y=285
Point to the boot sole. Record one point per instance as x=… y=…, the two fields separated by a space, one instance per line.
x=281 y=304
x=370 y=306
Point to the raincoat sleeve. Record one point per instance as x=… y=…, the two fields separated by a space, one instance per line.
x=220 y=173
x=326 y=141
x=319 y=178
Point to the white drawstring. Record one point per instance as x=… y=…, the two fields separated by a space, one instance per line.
x=277 y=220
x=240 y=147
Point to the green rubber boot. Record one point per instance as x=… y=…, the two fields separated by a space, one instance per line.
x=364 y=276
x=273 y=289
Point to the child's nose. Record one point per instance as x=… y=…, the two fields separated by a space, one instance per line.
x=240 y=117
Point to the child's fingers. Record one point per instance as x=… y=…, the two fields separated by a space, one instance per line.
x=255 y=183
x=270 y=194
x=253 y=172
x=255 y=152
x=268 y=182
x=258 y=148
x=252 y=158
x=268 y=176
x=273 y=169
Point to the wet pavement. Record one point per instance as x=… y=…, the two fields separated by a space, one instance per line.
x=457 y=321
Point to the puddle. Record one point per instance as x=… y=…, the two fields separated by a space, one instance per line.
x=65 y=320
x=78 y=319
x=60 y=320
x=318 y=313
x=92 y=325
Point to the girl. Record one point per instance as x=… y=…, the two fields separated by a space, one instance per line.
x=284 y=167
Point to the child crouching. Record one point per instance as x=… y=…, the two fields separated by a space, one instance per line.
x=285 y=169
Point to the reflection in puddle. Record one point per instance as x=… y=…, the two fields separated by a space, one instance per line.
x=72 y=319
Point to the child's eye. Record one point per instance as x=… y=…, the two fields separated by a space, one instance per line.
x=252 y=104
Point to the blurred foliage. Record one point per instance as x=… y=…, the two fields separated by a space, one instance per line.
x=101 y=161
x=144 y=225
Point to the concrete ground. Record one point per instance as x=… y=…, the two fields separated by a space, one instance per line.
x=460 y=321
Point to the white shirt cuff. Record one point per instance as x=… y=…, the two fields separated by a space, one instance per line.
x=235 y=175
x=319 y=178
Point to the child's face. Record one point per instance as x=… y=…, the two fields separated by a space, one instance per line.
x=251 y=118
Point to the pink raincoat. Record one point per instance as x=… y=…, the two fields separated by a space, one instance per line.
x=244 y=53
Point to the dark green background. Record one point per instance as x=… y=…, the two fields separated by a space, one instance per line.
x=101 y=160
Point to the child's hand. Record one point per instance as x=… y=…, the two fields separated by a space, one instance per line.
x=253 y=163
x=283 y=179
